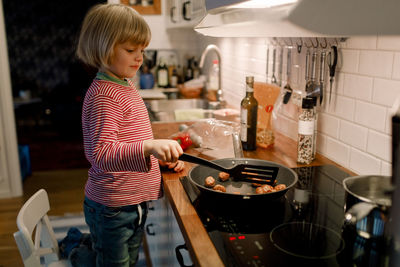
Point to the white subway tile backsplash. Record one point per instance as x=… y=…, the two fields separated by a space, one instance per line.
x=376 y=63
x=389 y=43
x=343 y=107
x=359 y=87
x=385 y=91
x=328 y=125
x=361 y=42
x=380 y=145
x=370 y=115
x=351 y=60
x=338 y=151
x=353 y=134
x=355 y=129
x=363 y=163
x=386 y=168
x=321 y=143
x=396 y=67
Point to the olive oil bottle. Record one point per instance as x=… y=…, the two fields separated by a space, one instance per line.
x=248 y=116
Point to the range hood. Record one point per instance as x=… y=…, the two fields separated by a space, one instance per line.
x=300 y=18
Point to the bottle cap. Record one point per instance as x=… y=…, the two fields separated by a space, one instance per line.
x=249 y=79
x=308 y=102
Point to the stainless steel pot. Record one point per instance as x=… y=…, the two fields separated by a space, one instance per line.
x=368 y=201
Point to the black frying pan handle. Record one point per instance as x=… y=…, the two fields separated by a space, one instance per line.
x=200 y=161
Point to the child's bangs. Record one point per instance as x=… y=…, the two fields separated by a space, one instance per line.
x=137 y=32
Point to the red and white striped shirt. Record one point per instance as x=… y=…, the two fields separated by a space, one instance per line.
x=115 y=123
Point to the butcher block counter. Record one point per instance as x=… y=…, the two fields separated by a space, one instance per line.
x=201 y=248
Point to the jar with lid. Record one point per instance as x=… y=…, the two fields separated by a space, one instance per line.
x=305 y=140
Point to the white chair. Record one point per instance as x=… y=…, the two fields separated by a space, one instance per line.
x=43 y=249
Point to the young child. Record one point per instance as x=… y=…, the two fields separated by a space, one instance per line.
x=118 y=139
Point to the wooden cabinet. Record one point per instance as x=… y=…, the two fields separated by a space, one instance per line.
x=184 y=13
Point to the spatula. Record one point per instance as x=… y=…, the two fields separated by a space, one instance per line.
x=252 y=173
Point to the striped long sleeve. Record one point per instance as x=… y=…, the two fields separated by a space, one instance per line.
x=115 y=123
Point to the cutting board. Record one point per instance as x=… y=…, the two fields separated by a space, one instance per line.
x=266 y=95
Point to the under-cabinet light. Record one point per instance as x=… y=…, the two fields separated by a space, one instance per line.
x=262 y=3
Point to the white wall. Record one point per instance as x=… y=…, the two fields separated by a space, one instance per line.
x=355 y=130
x=185 y=40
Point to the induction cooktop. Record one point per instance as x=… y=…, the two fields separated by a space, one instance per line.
x=304 y=227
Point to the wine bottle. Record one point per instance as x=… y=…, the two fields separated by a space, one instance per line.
x=248 y=116
x=162 y=74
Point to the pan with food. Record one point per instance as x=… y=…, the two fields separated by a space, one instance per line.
x=216 y=183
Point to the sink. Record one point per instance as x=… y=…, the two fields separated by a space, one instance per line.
x=165 y=109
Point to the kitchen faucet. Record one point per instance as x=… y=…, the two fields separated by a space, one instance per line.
x=203 y=56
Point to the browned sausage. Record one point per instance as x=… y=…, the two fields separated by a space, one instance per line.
x=260 y=190
x=209 y=181
x=219 y=187
x=223 y=176
x=267 y=188
x=280 y=187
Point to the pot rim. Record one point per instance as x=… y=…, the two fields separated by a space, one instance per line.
x=377 y=202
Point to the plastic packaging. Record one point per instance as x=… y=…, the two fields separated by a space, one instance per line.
x=209 y=134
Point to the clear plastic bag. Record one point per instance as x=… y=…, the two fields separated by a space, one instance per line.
x=210 y=134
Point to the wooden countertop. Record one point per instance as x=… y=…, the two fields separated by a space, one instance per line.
x=197 y=240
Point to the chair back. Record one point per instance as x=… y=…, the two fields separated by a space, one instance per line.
x=32 y=218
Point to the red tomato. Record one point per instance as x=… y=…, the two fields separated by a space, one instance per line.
x=184 y=140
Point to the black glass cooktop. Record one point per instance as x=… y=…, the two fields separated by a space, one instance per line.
x=303 y=227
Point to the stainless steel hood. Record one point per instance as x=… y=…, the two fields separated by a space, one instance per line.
x=301 y=18
x=223 y=19
x=348 y=17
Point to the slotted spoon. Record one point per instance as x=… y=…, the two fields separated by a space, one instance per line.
x=242 y=172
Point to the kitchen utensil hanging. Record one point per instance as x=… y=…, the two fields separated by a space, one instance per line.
x=267 y=64
x=280 y=78
x=322 y=75
x=332 y=62
x=287 y=88
x=312 y=88
x=273 y=78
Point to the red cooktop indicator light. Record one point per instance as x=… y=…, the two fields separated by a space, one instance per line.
x=241 y=237
x=255 y=257
x=231 y=238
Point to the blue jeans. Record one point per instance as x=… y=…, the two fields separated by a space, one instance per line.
x=116 y=232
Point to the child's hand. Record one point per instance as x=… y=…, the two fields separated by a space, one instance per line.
x=177 y=166
x=163 y=149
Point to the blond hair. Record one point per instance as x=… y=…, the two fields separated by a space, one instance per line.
x=106 y=25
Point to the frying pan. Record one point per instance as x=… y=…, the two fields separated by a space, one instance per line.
x=236 y=190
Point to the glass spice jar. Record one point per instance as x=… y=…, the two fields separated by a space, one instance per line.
x=305 y=140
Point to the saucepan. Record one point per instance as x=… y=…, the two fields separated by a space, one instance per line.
x=237 y=190
x=368 y=202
